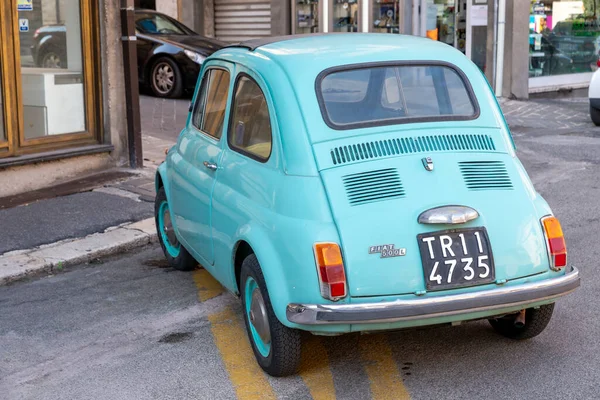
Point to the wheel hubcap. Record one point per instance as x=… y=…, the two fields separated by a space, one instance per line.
x=164 y=78
x=168 y=228
x=51 y=61
x=258 y=316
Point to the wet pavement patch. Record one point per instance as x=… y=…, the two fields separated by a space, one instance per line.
x=176 y=337
x=156 y=263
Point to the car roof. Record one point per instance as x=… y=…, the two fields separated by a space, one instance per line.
x=349 y=47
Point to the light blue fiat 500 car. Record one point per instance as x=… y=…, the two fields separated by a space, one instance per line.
x=357 y=182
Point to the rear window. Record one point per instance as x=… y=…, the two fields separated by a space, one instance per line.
x=387 y=95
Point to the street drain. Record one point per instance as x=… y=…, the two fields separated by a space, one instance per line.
x=176 y=337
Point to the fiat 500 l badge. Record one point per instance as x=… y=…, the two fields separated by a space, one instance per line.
x=387 y=250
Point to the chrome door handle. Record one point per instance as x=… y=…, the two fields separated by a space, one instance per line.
x=209 y=165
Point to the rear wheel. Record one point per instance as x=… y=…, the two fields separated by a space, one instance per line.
x=536 y=320
x=595 y=115
x=276 y=347
x=177 y=256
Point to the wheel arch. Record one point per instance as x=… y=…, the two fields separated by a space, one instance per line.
x=253 y=240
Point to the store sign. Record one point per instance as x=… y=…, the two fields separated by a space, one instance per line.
x=24 y=5
x=23 y=25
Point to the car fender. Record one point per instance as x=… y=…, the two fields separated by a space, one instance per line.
x=270 y=264
x=594 y=90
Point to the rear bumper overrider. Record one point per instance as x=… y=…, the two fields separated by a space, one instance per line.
x=434 y=307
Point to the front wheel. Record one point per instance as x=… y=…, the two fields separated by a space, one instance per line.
x=276 y=347
x=177 y=256
x=595 y=115
x=536 y=320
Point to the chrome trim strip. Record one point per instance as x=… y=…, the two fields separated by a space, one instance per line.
x=448 y=215
x=433 y=307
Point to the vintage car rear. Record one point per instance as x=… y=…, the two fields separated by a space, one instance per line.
x=437 y=219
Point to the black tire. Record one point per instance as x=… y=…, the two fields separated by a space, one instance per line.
x=158 y=78
x=536 y=320
x=183 y=260
x=595 y=115
x=52 y=58
x=286 y=343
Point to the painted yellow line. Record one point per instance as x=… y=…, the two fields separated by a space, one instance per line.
x=315 y=370
x=381 y=368
x=208 y=287
x=247 y=378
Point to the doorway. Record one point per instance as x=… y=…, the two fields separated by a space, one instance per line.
x=458 y=23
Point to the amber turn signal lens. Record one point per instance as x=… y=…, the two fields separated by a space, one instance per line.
x=330 y=268
x=555 y=241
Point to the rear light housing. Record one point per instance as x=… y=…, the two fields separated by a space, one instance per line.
x=555 y=242
x=330 y=269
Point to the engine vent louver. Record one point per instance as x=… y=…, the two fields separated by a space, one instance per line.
x=371 y=186
x=485 y=175
x=408 y=145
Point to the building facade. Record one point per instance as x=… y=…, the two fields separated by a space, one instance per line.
x=58 y=123
x=523 y=46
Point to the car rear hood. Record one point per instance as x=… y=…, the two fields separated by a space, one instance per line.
x=377 y=202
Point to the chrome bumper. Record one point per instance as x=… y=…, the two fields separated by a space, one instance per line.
x=434 y=307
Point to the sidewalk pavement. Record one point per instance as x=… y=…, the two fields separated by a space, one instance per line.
x=49 y=235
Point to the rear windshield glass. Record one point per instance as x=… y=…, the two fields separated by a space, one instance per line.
x=394 y=94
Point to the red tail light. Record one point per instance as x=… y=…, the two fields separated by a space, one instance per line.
x=555 y=240
x=598 y=63
x=330 y=266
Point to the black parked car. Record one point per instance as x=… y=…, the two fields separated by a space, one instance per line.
x=169 y=53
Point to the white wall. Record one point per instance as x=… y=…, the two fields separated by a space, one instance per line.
x=168 y=7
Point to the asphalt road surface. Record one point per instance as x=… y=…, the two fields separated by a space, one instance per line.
x=130 y=328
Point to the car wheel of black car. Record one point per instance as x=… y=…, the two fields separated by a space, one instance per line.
x=595 y=115
x=177 y=256
x=536 y=320
x=276 y=347
x=53 y=59
x=165 y=78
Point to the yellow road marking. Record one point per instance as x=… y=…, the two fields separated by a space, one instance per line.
x=315 y=370
x=229 y=332
x=208 y=287
x=380 y=366
x=247 y=378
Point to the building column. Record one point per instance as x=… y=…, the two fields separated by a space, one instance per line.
x=280 y=17
x=516 y=50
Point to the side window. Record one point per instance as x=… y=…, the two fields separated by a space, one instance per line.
x=250 y=127
x=209 y=112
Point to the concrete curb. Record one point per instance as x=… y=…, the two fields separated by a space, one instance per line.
x=54 y=257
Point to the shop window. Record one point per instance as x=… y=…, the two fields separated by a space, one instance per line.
x=307 y=16
x=345 y=16
x=386 y=16
x=53 y=76
x=564 y=37
x=250 y=128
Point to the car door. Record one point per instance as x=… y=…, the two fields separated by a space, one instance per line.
x=196 y=164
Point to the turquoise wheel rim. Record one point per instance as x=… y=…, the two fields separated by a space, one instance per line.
x=167 y=234
x=257 y=317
